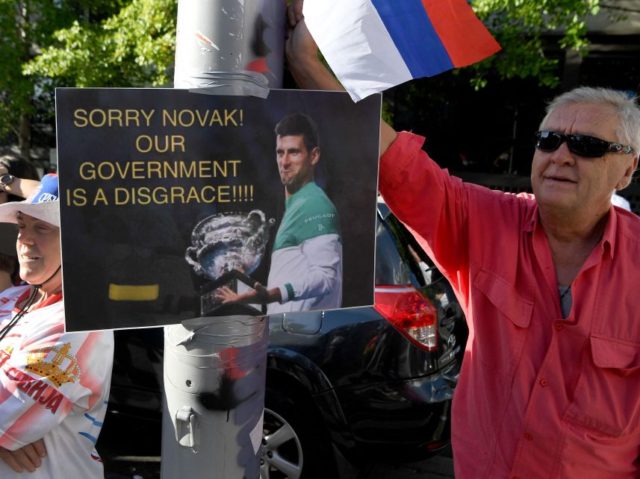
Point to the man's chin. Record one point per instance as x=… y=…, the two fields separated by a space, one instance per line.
x=565 y=206
x=31 y=276
x=293 y=187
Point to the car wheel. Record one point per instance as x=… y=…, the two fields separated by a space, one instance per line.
x=295 y=445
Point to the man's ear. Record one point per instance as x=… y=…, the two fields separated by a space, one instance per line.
x=315 y=155
x=628 y=174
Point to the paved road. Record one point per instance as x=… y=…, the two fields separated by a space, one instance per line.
x=439 y=467
x=132 y=468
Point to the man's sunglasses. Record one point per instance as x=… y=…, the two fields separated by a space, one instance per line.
x=581 y=145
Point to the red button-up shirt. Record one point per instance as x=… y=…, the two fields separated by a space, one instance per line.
x=539 y=396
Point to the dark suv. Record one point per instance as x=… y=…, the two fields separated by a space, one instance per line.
x=343 y=386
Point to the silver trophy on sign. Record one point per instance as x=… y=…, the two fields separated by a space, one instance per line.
x=226 y=248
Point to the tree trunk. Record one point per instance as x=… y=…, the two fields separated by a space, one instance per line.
x=24 y=136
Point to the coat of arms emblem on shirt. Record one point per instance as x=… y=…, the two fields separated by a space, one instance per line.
x=55 y=364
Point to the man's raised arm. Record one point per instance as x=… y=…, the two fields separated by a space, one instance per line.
x=308 y=70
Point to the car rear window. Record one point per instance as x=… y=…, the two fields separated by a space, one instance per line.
x=393 y=266
x=399 y=257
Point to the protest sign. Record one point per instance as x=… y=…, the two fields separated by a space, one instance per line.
x=167 y=194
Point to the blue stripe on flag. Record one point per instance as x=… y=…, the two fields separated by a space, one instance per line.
x=412 y=32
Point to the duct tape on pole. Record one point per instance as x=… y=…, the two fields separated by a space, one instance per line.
x=230 y=47
x=214 y=377
x=215 y=367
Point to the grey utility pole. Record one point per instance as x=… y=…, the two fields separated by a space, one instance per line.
x=214 y=367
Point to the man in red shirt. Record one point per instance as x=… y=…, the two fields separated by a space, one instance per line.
x=550 y=384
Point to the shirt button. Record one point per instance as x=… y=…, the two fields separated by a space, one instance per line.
x=528 y=436
x=558 y=327
x=543 y=382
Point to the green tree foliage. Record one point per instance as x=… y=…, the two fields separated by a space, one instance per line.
x=48 y=43
x=23 y=26
x=133 y=47
x=527 y=31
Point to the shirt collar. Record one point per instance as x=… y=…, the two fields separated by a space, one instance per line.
x=609 y=235
x=54 y=298
x=307 y=186
x=608 y=241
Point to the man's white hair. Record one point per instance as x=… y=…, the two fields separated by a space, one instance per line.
x=624 y=105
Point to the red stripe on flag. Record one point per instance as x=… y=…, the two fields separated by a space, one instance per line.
x=464 y=36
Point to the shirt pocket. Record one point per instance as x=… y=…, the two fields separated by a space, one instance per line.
x=606 y=399
x=502 y=318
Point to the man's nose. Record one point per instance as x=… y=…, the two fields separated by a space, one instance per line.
x=562 y=155
x=24 y=236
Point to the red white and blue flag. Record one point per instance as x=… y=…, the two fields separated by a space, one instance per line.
x=372 y=45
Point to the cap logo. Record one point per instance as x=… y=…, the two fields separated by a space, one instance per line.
x=46 y=197
x=48 y=190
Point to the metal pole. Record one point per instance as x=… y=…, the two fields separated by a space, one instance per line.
x=214 y=367
x=214 y=375
x=230 y=46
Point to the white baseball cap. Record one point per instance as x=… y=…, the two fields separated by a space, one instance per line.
x=44 y=204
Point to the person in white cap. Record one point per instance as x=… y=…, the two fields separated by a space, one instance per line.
x=18 y=180
x=54 y=386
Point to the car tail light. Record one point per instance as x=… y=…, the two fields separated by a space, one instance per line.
x=409 y=312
